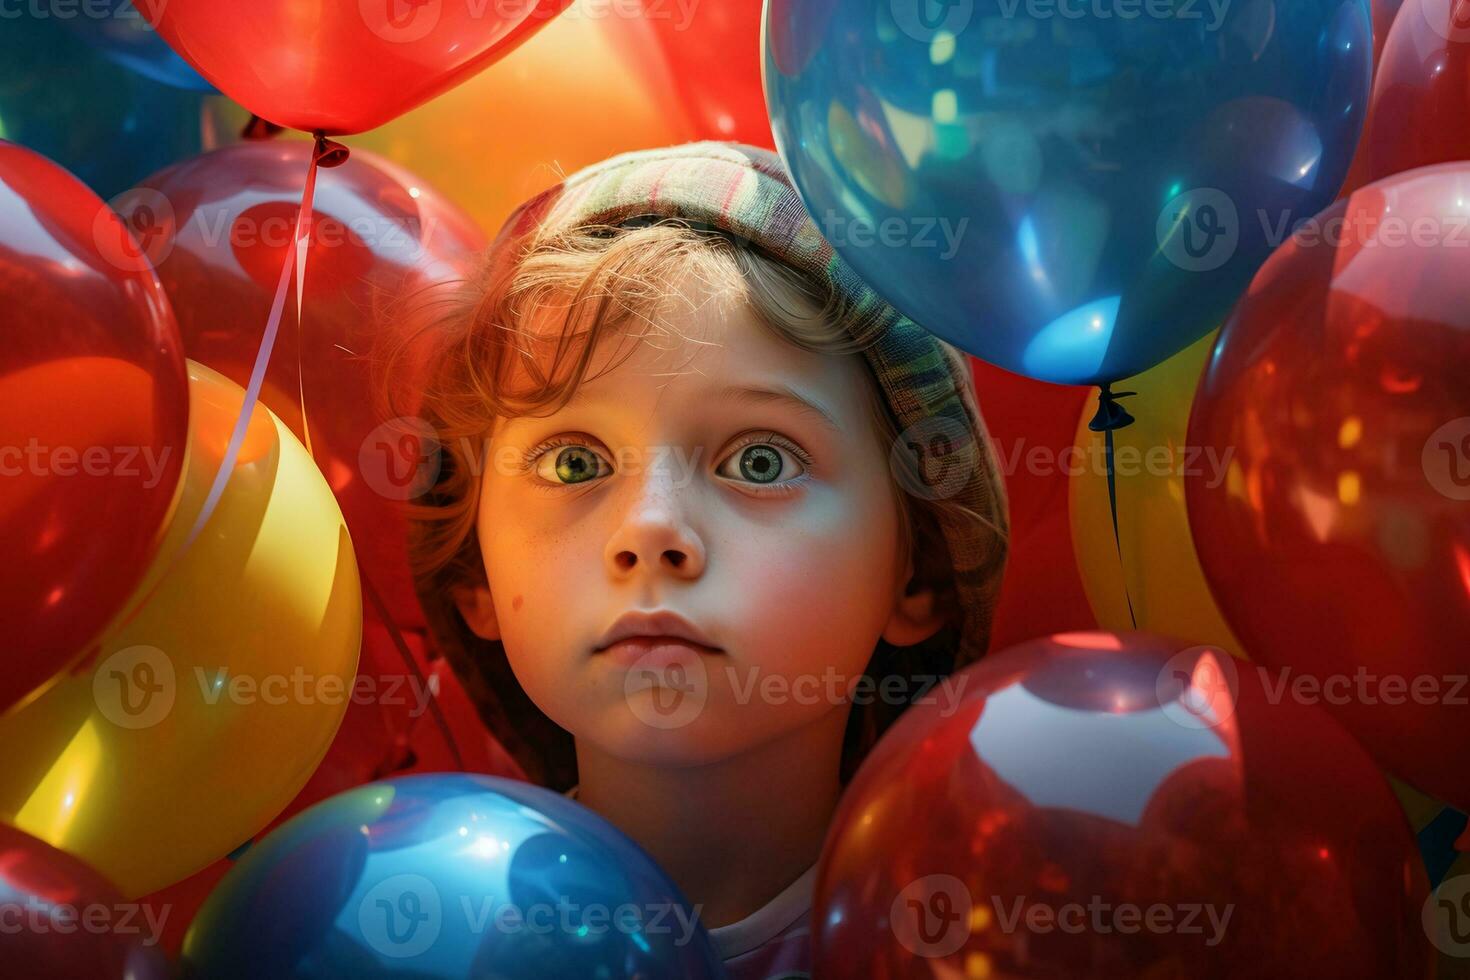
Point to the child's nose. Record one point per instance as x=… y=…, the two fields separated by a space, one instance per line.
x=655 y=537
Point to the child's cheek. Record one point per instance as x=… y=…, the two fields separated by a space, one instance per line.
x=812 y=596
x=538 y=578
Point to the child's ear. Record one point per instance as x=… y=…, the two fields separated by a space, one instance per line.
x=478 y=610
x=915 y=617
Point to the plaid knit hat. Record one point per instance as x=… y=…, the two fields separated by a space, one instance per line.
x=944 y=450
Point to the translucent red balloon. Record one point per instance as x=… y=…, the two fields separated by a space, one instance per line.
x=1103 y=805
x=1338 y=547
x=219 y=228
x=93 y=418
x=62 y=919
x=343 y=66
x=1420 y=111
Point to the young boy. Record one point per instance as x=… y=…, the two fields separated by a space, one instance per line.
x=710 y=515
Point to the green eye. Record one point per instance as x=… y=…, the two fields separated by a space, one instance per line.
x=570 y=465
x=760 y=464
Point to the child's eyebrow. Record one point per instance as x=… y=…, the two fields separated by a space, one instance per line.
x=781 y=395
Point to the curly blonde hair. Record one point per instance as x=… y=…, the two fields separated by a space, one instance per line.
x=472 y=357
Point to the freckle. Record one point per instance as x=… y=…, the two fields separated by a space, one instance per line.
x=515 y=603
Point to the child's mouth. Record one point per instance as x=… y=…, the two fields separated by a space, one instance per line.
x=655 y=652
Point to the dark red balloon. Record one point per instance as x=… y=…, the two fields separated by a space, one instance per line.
x=219 y=227
x=94 y=412
x=1420 y=111
x=343 y=66
x=59 y=918
x=1102 y=805
x=1339 y=546
x=1031 y=424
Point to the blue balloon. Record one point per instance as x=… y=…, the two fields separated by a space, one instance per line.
x=447 y=876
x=105 y=123
x=121 y=32
x=1071 y=189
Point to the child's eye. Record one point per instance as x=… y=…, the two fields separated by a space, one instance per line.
x=764 y=460
x=569 y=464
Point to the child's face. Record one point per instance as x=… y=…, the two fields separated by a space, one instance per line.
x=772 y=531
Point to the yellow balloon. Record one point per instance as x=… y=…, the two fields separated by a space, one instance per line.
x=201 y=716
x=566 y=98
x=1159 y=563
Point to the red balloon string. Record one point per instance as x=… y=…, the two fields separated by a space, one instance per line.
x=326 y=154
x=381 y=608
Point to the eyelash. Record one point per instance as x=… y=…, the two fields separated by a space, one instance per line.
x=532 y=457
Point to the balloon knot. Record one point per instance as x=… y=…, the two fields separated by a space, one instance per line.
x=329 y=153
x=1111 y=415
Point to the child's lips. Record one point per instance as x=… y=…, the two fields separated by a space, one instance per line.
x=655 y=652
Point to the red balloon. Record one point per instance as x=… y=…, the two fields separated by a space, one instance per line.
x=1032 y=424
x=1384 y=12
x=343 y=66
x=184 y=899
x=62 y=919
x=1339 y=545
x=1111 y=805
x=219 y=227
x=1420 y=111
x=93 y=418
x=402 y=719
x=708 y=57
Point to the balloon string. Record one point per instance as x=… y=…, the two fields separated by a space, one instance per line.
x=1110 y=417
x=325 y=150
x=381 y=608
x=301 y=361
x=325 y=154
